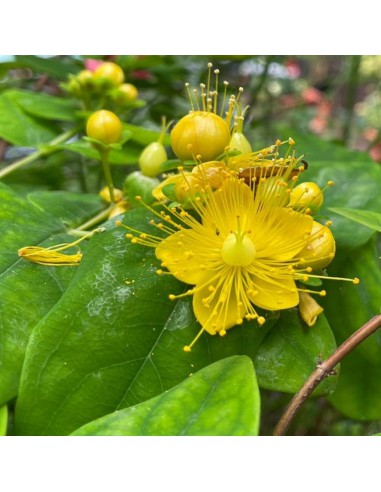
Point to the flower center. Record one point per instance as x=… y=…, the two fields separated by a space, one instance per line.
x=238 y=250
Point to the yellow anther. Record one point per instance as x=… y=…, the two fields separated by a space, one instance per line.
x=261 y=320
x=330 y=183
x=356 y=281
x=171 y=297
x=187 y=348
x=322 y=293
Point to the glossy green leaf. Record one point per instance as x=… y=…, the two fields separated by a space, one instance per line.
x=28 y=291
x=45 y=106
x=348 y=307
x=121 y=340
x=18 y=128
x=365 y=217
x=357 y=186
x=291 y=351
x=3 y=420
x=357 y=183
x=220 y=400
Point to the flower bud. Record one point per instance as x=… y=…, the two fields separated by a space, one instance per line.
x=104 y=126
x=84 y=76
x=136 y=184
x=105 y=194
x=200 y=133
x=110 y=72
x=320 y=249
x=126 y=93
x=309 y=309
x=306 y=195
x=151 y=158
x=240 y=142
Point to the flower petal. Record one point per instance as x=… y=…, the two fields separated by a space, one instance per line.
x=216 y=302
x=234 y=200
x=280 y=233
x=273 y=293
x=188 y=253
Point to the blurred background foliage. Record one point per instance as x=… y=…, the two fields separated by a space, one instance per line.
x=336 y=98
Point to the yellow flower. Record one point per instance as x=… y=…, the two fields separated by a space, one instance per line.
x=242 y=254
x=245 y=249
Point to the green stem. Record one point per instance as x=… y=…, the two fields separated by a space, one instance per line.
x=262 y=80
x=354 y=73
x=107 y=172
x=40 y=153
x=100 y=217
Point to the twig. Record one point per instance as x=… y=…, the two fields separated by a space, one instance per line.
x=323 y=370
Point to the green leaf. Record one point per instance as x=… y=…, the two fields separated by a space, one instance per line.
x=357 y=183
x=349 y=306
x=144 y=136
x=357 y=186
x=365 y=217
x=290 y=353
x=128 y=155
x=358 y=394
x=19 y=128
x=28 y=291
x=3 y=420
x=220 y=400
x=45 y=106
x=56 y=66
x=121 y=341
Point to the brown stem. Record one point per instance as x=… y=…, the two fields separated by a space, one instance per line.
x=323 y=370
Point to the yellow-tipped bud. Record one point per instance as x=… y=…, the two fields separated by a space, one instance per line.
x=105 y=194
x=84 y=76
x=200 y=133
x=306 y=195
x=320 y=249
x=240 y=142
x=151 y=158
x=126 y=93
x=111 y=72
x=104 y=126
